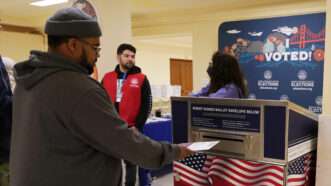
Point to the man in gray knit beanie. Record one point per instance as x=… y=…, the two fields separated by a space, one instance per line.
x=65 y=131
x=74 y=23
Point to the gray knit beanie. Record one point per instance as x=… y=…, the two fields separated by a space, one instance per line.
x=72 y=22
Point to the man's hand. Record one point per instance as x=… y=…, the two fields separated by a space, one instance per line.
x=134 y=129
x=184 y=151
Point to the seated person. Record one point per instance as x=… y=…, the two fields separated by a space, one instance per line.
x=226 y=81
x=226 y=78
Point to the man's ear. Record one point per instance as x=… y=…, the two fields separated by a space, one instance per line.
x=72 y=45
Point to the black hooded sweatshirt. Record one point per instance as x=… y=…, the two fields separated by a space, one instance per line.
x=66 y=132
x=5 y=113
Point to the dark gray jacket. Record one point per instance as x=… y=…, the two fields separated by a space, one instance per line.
x=5 y=113
x=67 y=133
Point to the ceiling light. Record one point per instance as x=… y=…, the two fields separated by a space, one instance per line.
x=43 y=3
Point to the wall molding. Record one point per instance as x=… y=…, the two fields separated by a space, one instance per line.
x=141 y=23
x=20 y=29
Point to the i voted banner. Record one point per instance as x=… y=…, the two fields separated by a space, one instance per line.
x=282 y=57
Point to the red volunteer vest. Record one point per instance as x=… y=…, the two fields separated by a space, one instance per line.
x=131 y=94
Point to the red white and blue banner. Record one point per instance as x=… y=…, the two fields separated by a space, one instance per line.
x=205 y=170
x=282 y=58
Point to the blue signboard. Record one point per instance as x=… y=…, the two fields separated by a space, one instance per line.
x=237 y=118
x=282 y=58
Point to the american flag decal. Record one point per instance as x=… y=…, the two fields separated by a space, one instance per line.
x=205 y=170
x=300 y=170
x=228 y=171
x=192 y=170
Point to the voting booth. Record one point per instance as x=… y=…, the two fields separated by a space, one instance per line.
x=266 y=132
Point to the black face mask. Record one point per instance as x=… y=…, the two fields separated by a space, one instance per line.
x=85 y=64
x=129 y=66
x=210 y=70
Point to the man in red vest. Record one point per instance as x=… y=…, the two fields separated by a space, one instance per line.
x=130 y=92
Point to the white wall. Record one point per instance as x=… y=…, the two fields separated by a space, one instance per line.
x=155 y=60
x=324 y=129
x=18 y=45
x=115 y=22
x=36 y=22
x=204 y=27
x=327 y=64
x=204 y=45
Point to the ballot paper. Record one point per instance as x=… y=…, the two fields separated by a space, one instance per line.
x=202 y=146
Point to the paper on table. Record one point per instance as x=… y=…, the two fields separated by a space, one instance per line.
x=201 y=146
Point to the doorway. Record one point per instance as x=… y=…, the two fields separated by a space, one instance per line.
x=181 y=74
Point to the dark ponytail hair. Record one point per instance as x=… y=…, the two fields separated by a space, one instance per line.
x=223 y=70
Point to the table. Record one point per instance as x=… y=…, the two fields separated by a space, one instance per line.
x=159 y=129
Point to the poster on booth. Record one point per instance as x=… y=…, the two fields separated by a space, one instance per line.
x=282 y=57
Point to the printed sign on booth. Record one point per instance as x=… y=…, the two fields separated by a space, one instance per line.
x=282 y=57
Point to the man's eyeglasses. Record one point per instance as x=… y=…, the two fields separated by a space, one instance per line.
x=95 y=48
